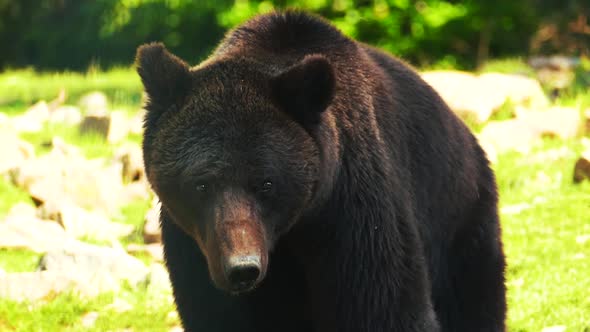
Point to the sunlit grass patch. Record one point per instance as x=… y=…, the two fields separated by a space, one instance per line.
x=142 y=310
x=25 y=87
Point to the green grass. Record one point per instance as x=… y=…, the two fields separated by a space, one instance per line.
x=150 y=311
x=18 y=260
x=544 y=218
x=134 y=214
x=10 y=195
x=21 y=88
x=548 y=263
x=92 y=145
x=508 y=66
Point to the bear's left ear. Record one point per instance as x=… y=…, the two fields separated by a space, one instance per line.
x=166 y=77
x=306 y=89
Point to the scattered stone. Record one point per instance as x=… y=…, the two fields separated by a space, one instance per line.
x=21 y=230
x=151 y=229
x=490 y=151
x=100 y=267
x=159 y=279
x=61 y=178
x=515 y=209
x=131 y=157
x=89 y=319
x=551 y=155
x=136 y=122
x=94 y=103
x=120 y=306
x=579 y=256
x=562 y=122
x=39 y=111
x=32 y=120
x=513 y=134
x=136 y=191
x=582 y=168
x=155 y=250
x=555 y=72
x=582 y=239
x=587 y=121
x=557 y=328
x=460 y=90
x=60 y=146
x=79 y=222
x=555 y=62
x=477 y=97
x=21 y=210
x=517 y=89
x=4 y=121
x=67 y=114
x=118 y=127
x=13 y=151
x=35 y=285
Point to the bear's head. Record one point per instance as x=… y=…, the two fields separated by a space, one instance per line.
x=230 y=149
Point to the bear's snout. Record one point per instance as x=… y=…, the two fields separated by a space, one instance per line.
x=242 y=272
x=240 y=250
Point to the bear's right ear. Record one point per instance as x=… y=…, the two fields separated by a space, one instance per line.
x=166 y=77
x=305 y=90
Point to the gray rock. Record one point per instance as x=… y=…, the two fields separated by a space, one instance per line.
x=35 y=285
x=159 y=279
x=89 y=319
x=79 y=222
x=562 y=122
x=136 y=122
x=131 y=158
x=107 y=266
x=478 y=97
x=155 y=250
x=13 y=151
x=134 y=191
x=61 y=177
x=94 y=103
x=151 y=229
x=33 y=119
x=67 y=114
x=22 y=230
x=587 y=121
x=513 y=134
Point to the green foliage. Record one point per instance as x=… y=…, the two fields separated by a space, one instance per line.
x=75 y=34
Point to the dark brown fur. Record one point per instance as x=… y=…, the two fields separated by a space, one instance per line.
x=384 y=216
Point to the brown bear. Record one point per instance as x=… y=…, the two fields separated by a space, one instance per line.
x=313 y=183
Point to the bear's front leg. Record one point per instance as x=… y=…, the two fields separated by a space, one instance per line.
x=372 y=280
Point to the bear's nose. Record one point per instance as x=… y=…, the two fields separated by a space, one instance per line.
x=242 y=272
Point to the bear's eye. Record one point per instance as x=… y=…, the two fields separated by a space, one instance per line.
x=202 y=188
x=266 y=187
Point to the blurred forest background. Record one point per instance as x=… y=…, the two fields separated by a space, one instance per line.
x=73 y=34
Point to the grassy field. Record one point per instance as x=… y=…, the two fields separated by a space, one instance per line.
x=545 y=222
